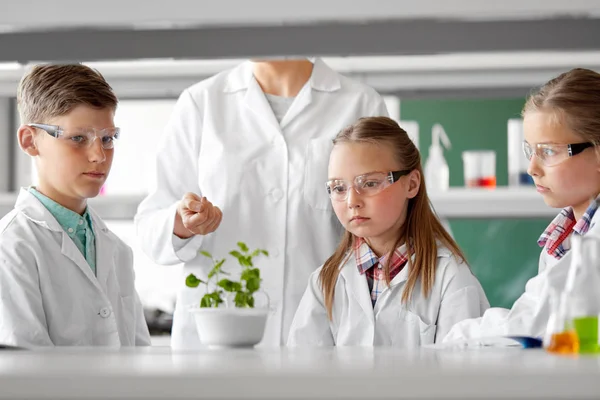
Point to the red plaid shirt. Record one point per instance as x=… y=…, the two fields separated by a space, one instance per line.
x=556 y=240
x=372 y=267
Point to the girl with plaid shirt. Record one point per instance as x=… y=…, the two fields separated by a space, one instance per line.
x=562 y=131
x=397 y=278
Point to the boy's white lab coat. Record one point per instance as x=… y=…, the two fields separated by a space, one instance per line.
x=224 y=142
x=48 y=293
x=455 y=295
x=530 y=313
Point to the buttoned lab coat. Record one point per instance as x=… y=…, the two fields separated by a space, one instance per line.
x=48 y=292
x=455 y=296
x=224 y=142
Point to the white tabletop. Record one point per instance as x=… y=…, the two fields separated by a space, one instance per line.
x=350 y=373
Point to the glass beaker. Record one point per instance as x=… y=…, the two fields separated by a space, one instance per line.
x=479 y=168
x=560 y=337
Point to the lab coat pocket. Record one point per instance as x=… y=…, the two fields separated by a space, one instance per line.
x=315 y=177
x=426 y=332
x=411 y=331
x=127 y=320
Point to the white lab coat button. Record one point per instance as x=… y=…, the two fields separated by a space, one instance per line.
x=104 y=312
x=70 y=230
x=277 y=194
x=80 y=222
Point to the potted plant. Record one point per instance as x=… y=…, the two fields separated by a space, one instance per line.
x=228 y=313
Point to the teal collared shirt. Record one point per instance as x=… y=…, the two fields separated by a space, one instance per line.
x=78 y=227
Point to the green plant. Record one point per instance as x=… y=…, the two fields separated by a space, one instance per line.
x=244 y=289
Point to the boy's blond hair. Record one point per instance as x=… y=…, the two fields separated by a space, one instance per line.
x=52 y=90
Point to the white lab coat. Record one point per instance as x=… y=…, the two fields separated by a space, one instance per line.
x=48 y=293
x=224 y=142
x=455 y=295
x=530 y=313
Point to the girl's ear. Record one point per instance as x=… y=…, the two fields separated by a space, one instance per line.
x=414 y=183
x=26 y=138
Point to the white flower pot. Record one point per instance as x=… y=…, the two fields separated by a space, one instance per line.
x=230 y=327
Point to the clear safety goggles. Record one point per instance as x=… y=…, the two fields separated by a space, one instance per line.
x=551 y=154
x=82 y=138
x=366 y=185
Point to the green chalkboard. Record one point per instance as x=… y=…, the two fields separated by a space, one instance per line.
x=503 y=253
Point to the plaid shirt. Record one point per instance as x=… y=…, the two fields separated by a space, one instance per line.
x=370 y=265
x=555 y=238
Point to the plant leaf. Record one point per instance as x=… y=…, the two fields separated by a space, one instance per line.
x=192 y=281
x=229 y=286
x=219 y=264
x=250 y=301
x=249 y=261
x=241 y=299
x=243 y=246
x=212 y=272
x=266 y=253
x=216 y=297
x=236 y=254
x=255 y=253
x=250 y=273
x=216 y=269
x=206 y=254
x=206 y=301
x=253 y=284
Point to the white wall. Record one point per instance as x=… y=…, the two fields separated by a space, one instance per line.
x=17 y=14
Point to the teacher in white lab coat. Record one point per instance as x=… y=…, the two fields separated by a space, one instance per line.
x=244 y=158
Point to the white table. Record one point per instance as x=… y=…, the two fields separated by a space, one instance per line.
x=345 y=373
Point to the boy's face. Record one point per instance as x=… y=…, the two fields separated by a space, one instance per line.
x=70 y=174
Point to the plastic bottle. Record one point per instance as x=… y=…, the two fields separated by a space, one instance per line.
x=437 y=174
x=517 y=163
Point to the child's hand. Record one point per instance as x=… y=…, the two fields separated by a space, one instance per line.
x=196 y=216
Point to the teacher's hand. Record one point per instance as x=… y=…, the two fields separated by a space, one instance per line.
x=196 y=216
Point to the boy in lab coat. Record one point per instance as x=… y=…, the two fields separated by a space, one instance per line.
x=65 y=278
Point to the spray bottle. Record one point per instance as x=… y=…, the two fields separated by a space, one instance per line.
x=437 y=174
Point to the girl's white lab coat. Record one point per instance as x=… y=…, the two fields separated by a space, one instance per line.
x=48 y=293
x=224 y=142
x=530 y=313
x=455 y=295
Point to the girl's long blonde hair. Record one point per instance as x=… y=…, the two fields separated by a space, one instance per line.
x=422 y=228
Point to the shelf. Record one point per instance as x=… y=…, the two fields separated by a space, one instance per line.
x=509 y=73
x=501 y=202
x=115 y=207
